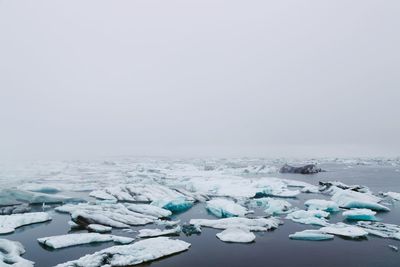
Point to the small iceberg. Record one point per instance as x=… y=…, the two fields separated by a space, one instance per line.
x=190 y=229
x=385 y=230
x=352 y=199
x=360 y=215
x=258 y=224
x=10 y=254
x=272 y=206
x=63 y=241
x=136 y=253
x=149 y=210
x=344 y=230
x=8 y=223
x=393 y=195
x=98 y=228
x=321 y=204
x=157 y=232
x=311 y=235
x=306 y=169
x=175 y=205
x=224 y=208
x=314 y=217
x=236 y=235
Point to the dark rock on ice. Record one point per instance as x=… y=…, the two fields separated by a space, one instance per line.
x=307 y=169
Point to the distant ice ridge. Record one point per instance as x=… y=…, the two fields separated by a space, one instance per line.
x=8 y=223
x=224 y=208
x=62 y=241
x=10 y=254
x=258 y=224
x=136 y=253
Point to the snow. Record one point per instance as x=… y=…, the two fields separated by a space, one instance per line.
x=157 y=232
x=258 y=224
x=236 y=235
x=136 y=253
x=345 y=230
x=360 y=215
x=63 y=241
x=314 y=217
x=99 y=228
x=311 y=235
x=352 y=199
x=224 y=208
x=8 y=223
x=149 y=210
x=321 y=204
x=10 y=254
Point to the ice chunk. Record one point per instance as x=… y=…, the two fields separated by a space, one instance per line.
x=10 y=254
x=344 y=230
x=273 y=206
x=175 y=205
x=360 y=215
x=149 y=210
x=99 y=228
x=236 y=235
x=14 y=209
x=224 y=208
x=332 y=187
x=167 y=223
x=394 y=195
x=101 y=194
x=189 y=229
x=385 y=230
x=63 y=241
x=8 y=223
x=321 y=204
x=352 y=199
x=312 y=235
x=258 y=224
x=393 y=247
x=306 y=169
x=314 y=217
x=136 y=253
x=158 y=232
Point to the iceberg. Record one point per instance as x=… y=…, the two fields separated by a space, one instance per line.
x=174 y=205
x=167 y=223
x=258 y=224
x=314 y=217
x=321 y=204
x=10 y=254
x=306 y=169
x=359 y=215
x=133 y=254
x=393 y=195
x=384 y=230
x=157 y=232
x=332 y=187
x=236 y=235
x=344 y=230
x=63 y=241
x=98 y=228
x=149 y=210
x=311 y=235
x=272 y=206
x=352 y=199
x=8 y=223
x=224 y=208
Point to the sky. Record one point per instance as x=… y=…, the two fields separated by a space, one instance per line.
x=199 y=78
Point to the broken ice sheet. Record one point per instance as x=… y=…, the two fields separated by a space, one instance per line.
x=236 y=235
x=224 y=208
x=8 y=223
x=258 y=224
x=385 y=230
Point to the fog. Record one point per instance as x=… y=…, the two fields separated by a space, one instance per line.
x=199 y=78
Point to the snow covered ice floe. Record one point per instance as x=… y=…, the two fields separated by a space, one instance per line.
x=63 y=241
x=258 y=224
x=149 y=210
x=10 y=254
x=385 y=230
x=311 y=235
x=157 y=232
x=272 y=206
x=352 y=199
x=314 y=217
x=8 y=223
x=133 y=254
x=360 y=215
x=321 y=204
x=236 y=235
x=344 y=230
x=224 y=208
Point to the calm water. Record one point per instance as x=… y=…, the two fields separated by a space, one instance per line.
x=272 y=248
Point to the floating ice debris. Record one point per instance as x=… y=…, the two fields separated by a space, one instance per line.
x=321 y=204
x=394 y=195
x=15 y=196
x=332 y=187
x=63 y=241
x=314 y=217
x=149 y=210
x=175 y=205
x=352 y=199
x=224 y=208
x=393 y=247
x=384 y=230
x=158 y=232
x=236 y=235
x=8 y=223
x=98 y=228
x=307 y=169
x=15 y=209
x=136 y=253
x=344 y=230
x=360 y=215
x=10 y=254
x=190 y=229
x=100 y=194
x=258 y=224
x=311 y=235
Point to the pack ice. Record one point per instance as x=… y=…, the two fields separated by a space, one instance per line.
x=10 y=254
x=126 y=255
x=8 y=223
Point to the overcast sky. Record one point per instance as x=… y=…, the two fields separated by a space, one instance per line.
x=221 y=78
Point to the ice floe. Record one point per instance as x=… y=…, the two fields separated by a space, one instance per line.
x=136 y=253
x=385 y=230
x=224 y=208
x=332 y=187
x=149 y=210
x=236 y=235
x=272 y=206
x=344 y=230
x=314 y=217
x=10 y=254
x=321 y=204
x=352 y=199
x=360 y=215
x=257 y=224
x=99 y=228
x=158 y=232
x=8 y=223
x=311 y=235
x=63 y=241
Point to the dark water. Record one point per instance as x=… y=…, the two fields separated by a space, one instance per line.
x=272 y=248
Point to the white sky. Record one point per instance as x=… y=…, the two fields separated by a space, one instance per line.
x=189 y=78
